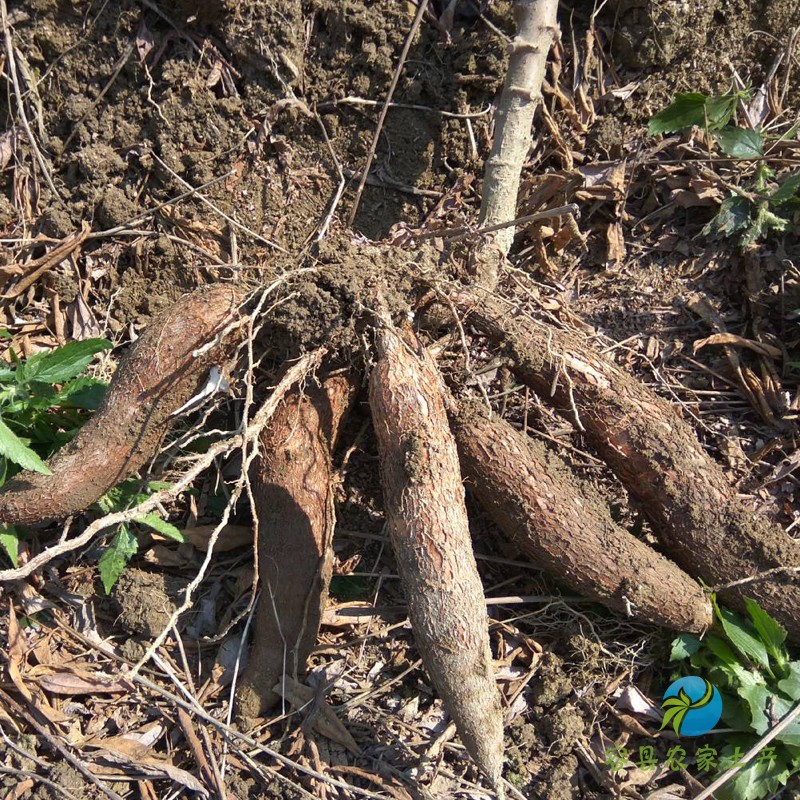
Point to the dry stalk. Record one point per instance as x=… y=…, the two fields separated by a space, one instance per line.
x=386 y=105
x=536 y=29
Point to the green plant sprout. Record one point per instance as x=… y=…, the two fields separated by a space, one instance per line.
x=768 y=202
x=125 y=543
x=759 y=683
x=42 y=406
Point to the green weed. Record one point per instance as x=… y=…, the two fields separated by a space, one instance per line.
x=760 y=684
x=767 y=202
x=43 y=404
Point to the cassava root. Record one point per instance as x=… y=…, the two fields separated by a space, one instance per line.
x=565 y=527
x=698 y=519
x=293 y=487
x=156 y=377
x=427 y=521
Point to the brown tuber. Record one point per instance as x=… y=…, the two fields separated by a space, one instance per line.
x=700 y=522
x=565 y=527
x=156 y=377
x=427 y=521
x=293 y=491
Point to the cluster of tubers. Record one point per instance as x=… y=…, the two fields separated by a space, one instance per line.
x=430 y=443
x=426 y=440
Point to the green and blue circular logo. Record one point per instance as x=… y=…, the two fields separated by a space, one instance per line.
x=692 y=706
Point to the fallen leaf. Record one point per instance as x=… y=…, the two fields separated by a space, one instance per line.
x=324 y=719
x=615 y=244
x=230 y=537
x=738 y=341
x=71 y=683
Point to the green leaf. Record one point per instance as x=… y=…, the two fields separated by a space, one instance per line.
x=721 y=649
x=740 y=142
x=9 y=540
x=788 y=190
x=764 y=222
x=122 y=549
x=756 y=695
x=720 y=108
x=790 y=685
x=688 y=108
x=742 y=639
x=85 y=393
x=684 y=647
x=161 y=526
x=769 y=631
x=14 y=449
x=63 y=363
x=759 y=779
x=734 y=214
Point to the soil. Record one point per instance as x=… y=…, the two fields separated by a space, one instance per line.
x=251 y=110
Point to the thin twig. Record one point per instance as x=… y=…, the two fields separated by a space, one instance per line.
x=750 y=754
x=385 y=110
x=53 y=741
x=465 y=230
x=760 y=576
x=360 y=101
x=12 y=69
x=217 y=209
x=228 y=731
x=125 y=227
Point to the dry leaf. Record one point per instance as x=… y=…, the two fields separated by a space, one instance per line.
x=230 y=537
x=324 y=719
x=72 y=683
x=615 y=244
x=351 y=613
x=738 y=341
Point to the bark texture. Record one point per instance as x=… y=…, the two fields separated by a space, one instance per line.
x=156 y=377
x=700 y=522
x=427 y=521
x=292 y=485
x=564 y=526
x=536 y=29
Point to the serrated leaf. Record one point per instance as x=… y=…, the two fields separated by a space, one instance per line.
x=9 y=540
x=740 y=142
x=756 y=695
x=119 y=552
x=14 y=449
x=63 y=363
x=790 y=685
x=161 y=526
x=758 y=780
x=742 y=639
x=85 y=393
x=719 y=110
x=687 y=109
x=770 y=631
x=734 y=215
x=788 y=190
x=684 y=647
